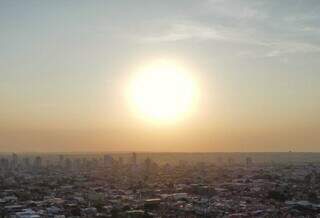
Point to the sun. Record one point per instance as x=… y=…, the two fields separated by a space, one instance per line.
x=162 y=92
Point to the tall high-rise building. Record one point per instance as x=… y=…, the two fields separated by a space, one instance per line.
x=107 y=160
x=4 y=163
x=147 y=164
x=249 y=161
x=38 y=162
x=67 y=163
x=120 y=161
x=134 y=158
x=26 y=162
x=14 y=161
x=61 y=158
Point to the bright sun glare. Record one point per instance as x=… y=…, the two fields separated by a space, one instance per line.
x=163 y=92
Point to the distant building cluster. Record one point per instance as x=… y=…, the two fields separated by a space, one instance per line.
x=59 y=186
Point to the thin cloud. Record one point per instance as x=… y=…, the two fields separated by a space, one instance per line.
x=283 y=48
x=260 y=30
x=182 y=31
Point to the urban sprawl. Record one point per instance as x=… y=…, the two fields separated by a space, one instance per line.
x=33 y=186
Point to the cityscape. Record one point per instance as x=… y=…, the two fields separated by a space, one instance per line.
x=146 y=185
x=160 y=109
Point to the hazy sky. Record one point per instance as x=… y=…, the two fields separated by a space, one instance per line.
x=63 y=67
